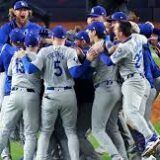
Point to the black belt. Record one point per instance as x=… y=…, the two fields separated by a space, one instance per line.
x=53 y=88
x=27 y=89
x=132 y=75
x=107 y=82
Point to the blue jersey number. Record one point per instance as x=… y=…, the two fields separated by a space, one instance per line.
x=58 y=68
x=137 y=59
x=19 y=66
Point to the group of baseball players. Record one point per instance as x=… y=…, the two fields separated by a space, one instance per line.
x=86 y=98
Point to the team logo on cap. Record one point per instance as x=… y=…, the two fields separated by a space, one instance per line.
x=23 y=4
x=92 y=10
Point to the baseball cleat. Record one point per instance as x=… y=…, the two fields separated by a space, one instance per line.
x=151 y=146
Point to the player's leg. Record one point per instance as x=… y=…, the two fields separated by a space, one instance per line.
x=6 y=152
x=62 y=138
x=31 y=119
x=133 y=93
x=69 y=119
x=145 y=98
x=49 y=111
x=102 y=107
x=114 y=132
x=149 y=103
x=83 y=124
x=10 y=117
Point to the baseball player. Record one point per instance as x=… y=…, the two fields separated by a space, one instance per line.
x=98 y=13
x=85 y=94
x=130 y=59
x=28 y=88
x=105 y=110
x=19 y=18
x=7 y=51
x=57 y=61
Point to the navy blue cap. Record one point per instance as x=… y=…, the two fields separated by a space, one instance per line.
x=97 y=11
x=16 y=36
x=20 y=4
x=98 y=27
x=146 y=29
x=156 y=31
x=118 y=16
x=59 y=32
x=32 y=40
x=82 y=35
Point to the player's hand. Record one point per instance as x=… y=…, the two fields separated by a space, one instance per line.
x=91 y=55
x=112 y=49
x=98 y=47
x=20 y=54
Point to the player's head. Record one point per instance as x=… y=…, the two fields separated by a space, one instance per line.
x=146 y=29
x=21 y=12
x=59 y=35
x=96 y=30
x=122 y=30
x=32 y=41
x=82 y=39
x=116 y=17
x=98 y=13
x=155 y=37
x=17 y=38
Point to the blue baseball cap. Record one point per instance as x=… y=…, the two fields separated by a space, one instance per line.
x=32 y=40
x=146 y=29
x=98 y=27
x=97 y=11
x=59 y=32
x=82 y=35
x=20 y=4
x=16 y=36
x=118 y=16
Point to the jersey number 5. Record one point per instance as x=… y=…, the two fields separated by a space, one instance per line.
x=58 y=68
x=19 y=66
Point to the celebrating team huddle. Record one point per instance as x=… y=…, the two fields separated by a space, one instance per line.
x=85 y=99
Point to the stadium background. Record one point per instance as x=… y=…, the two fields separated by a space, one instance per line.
x=71 y=13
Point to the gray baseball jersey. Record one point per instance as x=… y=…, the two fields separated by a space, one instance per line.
x=129 y=55
x=55 y=61
x=103 y=72
x=19 y=78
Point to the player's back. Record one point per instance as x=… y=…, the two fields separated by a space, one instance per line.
x=57 y=60
x=130 y=55
x=19 y=78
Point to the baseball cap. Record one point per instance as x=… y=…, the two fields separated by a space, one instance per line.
x=31 y=40
x=118 y=16
x=98 y=27
x=16 y=36
x=82 y=35
x=97 y=11
x=20 y=4
x=146 y=29
x=59 y=32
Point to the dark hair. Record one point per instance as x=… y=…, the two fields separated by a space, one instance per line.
x=125 y=27
x=100 y=35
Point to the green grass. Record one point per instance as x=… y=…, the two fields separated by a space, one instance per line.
x=17 y=151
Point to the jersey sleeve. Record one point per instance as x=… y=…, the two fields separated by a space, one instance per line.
x=1 y=64
x=72 y=60
x=40 y=60
x=4 y=33
x=119 y=54
x=10 y=67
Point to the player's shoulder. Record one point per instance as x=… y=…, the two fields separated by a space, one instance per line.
x=139 y=37
x=33 y=25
